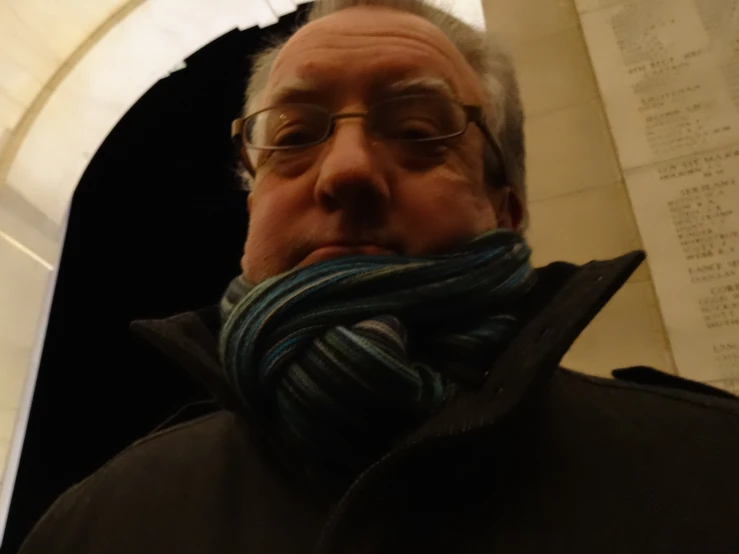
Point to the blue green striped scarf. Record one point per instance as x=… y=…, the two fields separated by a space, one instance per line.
x=344 y=355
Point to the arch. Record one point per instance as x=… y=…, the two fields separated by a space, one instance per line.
x=148 y=43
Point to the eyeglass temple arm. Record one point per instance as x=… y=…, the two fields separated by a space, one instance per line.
x=475 y=115
x=237 y=127
x=237 y=130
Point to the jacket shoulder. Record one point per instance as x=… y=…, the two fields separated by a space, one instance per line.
x=668 y=415
x=659 y=388
x=143 y=479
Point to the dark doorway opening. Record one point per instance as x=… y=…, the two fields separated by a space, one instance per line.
x=156 y=227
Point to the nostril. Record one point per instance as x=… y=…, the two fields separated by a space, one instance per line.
x=360 y=193
x=331 y=203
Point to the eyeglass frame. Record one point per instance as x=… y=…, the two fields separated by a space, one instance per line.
x=473 y=113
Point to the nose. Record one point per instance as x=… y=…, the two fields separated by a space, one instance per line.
x=351 y=177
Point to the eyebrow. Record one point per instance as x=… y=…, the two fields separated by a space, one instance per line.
x=418 y=85
x=295 y=90
x=302 y=90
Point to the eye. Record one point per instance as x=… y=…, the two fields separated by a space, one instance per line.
x=416 y=130
x=411 y=127
x=295 y=135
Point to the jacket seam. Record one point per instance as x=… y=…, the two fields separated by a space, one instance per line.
x=74 y=490
x=62 y=507
x=643 y=389
x=168 y=430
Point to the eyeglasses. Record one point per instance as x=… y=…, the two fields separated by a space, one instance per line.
x=413 y=119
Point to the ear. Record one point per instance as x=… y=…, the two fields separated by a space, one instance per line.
x=515 y=212
x=249 y=200
x=508 y=207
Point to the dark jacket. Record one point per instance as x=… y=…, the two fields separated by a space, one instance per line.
x=541 y=459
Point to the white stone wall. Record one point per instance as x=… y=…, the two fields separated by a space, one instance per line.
x=580 y=210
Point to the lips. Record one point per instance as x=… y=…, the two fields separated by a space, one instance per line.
x=332 y=251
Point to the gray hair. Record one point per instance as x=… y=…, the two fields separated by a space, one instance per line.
x=502 y=106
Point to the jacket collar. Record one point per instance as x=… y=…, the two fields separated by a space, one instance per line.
x=191 y=340
x=564 y=302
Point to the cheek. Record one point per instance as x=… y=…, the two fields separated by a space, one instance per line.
x=455 y=192
x=443 y=211
x=275 y=206
x=453 y=205
x=269 y=247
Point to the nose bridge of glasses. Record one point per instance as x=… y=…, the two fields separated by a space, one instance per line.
x=348 y=115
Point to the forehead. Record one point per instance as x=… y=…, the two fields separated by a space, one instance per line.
x=354 y=52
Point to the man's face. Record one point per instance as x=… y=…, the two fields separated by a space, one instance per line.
x=355 y=194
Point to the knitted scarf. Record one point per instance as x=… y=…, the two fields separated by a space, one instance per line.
x=342 y=356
